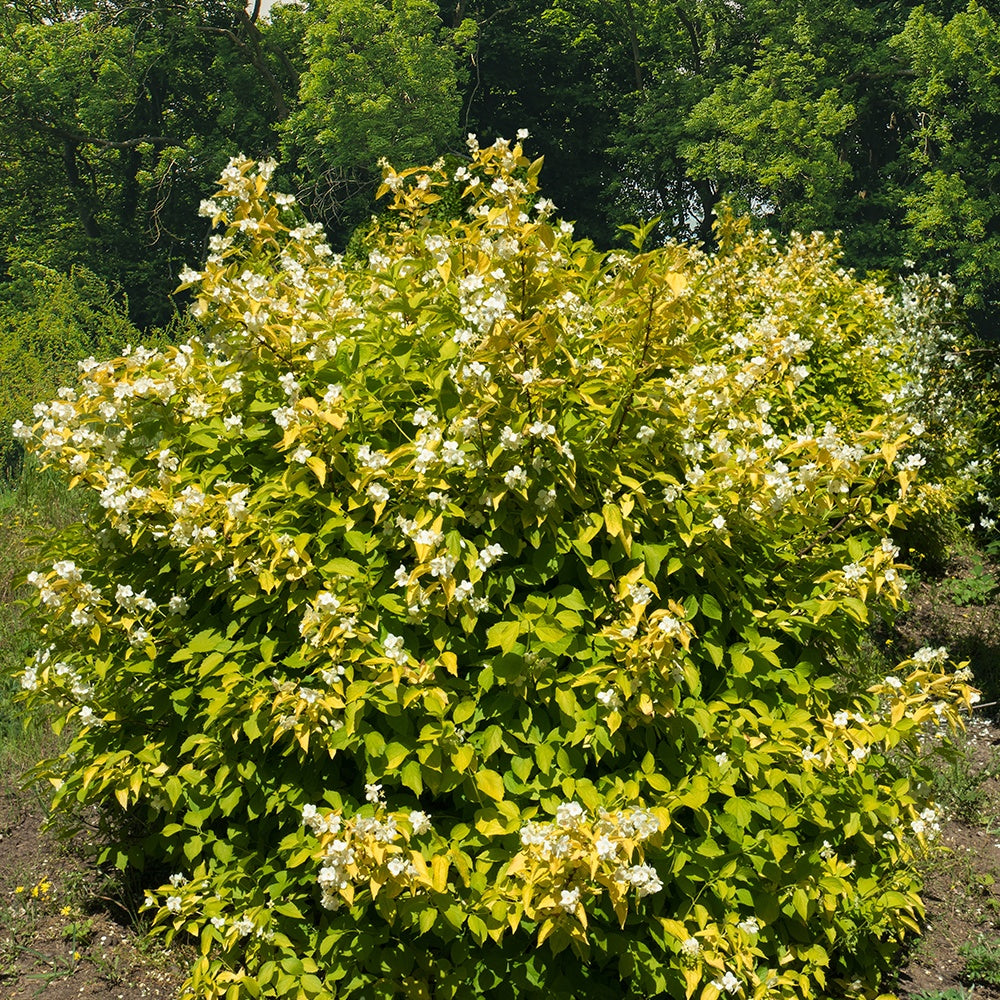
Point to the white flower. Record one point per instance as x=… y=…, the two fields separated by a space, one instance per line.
x=516 y=478
x=510 y=439
x=420 y=821
x=394 y=649
x=488 y=556
x=722 y=758
x=609 y=698
x=67 y=569
x=606 y=848
x=451 y=453
x=749 y=926
x=691 y=947
x=400 y=866
x=569 y=899
x=87 y=717
x=643 y=877
x=441 y=566
x=174 y=904
x=378 y=493
x=669 y=626
x=645 y=434
x=373 y=793
x=373 y=460
x=728 y=984
x=541 y=429
x=914 y=461
x=569 y=815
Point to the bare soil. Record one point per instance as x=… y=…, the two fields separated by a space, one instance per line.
x=66 y=932
x=962 y=882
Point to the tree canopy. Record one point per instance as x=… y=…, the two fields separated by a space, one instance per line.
x=877 y=121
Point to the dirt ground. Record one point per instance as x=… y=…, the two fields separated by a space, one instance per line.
x=66 y=933
x=962 y=884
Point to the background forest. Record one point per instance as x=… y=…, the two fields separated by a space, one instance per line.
x=878 y=120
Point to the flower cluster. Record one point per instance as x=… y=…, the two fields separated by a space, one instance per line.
x=367 y=851
x=576 y=857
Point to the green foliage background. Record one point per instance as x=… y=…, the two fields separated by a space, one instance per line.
x=48 y=323
x=875 y=120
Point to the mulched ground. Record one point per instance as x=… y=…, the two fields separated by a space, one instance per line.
x=65 y=932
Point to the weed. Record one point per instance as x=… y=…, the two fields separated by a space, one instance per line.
x=982 y=961
x=976 y=586
x=959 y=788
x=34 y=506
x=953 y=993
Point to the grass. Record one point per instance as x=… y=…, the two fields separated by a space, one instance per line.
x=36 y=504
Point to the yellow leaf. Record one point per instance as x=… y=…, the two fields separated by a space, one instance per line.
x=676 y=281
x=439 y=872
x=547 y=928
x=318 y=467
x=491 y=783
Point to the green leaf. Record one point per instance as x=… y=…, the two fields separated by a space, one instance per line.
x=503 y=635
x=710 y=607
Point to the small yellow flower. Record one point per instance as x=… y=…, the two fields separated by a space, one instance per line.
x=20 y=888
x=66 y=911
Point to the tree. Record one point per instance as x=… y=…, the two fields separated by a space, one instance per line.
x=380 y=78
x=953 y=103
x=113 y=117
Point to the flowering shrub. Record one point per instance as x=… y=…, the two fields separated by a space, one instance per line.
x=443 y=613
x=950 y=382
